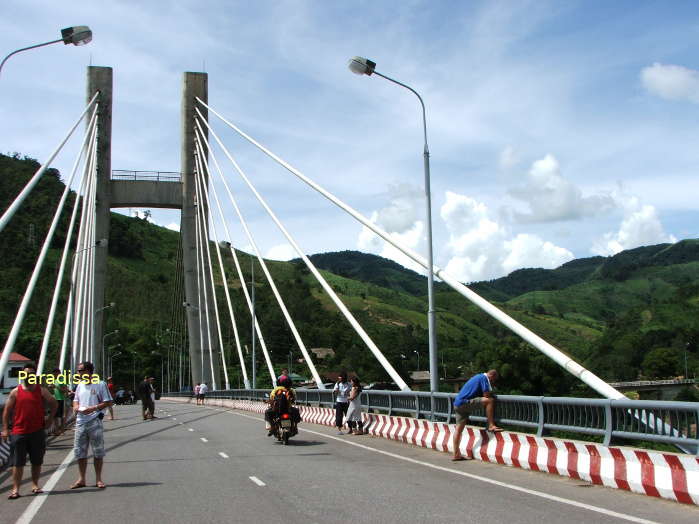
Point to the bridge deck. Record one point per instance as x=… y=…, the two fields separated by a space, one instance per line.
x=163 y=470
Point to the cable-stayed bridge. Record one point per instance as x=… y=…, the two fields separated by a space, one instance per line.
x=205 y=156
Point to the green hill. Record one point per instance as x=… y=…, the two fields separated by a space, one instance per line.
x=623 y=316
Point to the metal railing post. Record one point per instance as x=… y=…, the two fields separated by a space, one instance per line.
x=542 y=418
x=608 y=423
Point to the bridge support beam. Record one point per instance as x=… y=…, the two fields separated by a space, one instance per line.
x=100 y=79
x=204 y=369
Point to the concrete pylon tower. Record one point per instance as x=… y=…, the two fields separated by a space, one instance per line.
x=100 y=79
x=205 y=360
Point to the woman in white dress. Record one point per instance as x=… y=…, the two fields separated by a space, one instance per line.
x=354 y=412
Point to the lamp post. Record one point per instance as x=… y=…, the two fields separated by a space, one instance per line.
x=252 y=291
x=364 y=66
x=103 y=339
x=77 y=35
x=110 y=371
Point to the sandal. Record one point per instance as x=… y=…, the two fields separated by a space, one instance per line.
x=37 y=491
x=101 y=485
x=495 y=429
x=76 y=485
x=14 y=495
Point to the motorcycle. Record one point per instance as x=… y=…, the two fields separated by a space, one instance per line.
x=284 y=427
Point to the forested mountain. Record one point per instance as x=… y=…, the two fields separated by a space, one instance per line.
x=630 y=315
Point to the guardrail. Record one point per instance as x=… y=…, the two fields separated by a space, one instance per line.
x=147 y=176
x=660 y=421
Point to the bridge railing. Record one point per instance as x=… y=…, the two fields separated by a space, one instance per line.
x=659 y=421
x=146 y=176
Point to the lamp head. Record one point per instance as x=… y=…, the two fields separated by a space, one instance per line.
x=78 y=35
x=361 y=66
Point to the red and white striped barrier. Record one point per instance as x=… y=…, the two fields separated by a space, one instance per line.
x=667 y=475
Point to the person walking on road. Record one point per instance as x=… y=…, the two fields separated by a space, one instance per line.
x=111 y=386
x=341 y=391
x=477 y=392
x=354 y=412
x=27 y=404
x=89 y=402
x=196 y=392
x=144 y=392
x=203 y=390
x=60 y=393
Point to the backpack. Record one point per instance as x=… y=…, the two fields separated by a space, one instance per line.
x=280 y=403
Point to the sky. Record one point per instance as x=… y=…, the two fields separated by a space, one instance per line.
x=557 y=130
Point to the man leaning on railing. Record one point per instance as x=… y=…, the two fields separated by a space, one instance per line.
x=477 y=392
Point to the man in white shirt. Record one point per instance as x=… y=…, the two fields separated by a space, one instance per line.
x=203 y=390
x=89 y=402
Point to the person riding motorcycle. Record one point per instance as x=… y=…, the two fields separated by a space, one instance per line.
x=284 y=395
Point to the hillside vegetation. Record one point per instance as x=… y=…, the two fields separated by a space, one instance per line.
x=631 y=315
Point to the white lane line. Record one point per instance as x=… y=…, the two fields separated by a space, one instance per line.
x=513 y=487
x=35 y=506
x=257 y=481
x=174 y=418
x=204 y=440
x=223 y=454
x=190 y=429
x=181 y=423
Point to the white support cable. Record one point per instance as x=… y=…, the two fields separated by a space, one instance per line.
x=70 y=332
x=200 y=249
x=280 y=301
x=9 y=213
x=529 y=336
x=321 y=280
x=200 y=184
x=83 y=272
x=248 y=300
x=26 y=298
x=224 y=280
x=91 y=129
x=199 y=310
x=87 y=247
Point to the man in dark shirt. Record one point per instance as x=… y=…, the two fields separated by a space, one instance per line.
x=147 y=405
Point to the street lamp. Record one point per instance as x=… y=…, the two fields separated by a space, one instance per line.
x=103 y=338
x=364 y=66
x=77 y=35
x=110 y=359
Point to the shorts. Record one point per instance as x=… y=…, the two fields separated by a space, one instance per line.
x=463 y=410
x=90 y=433
x=200 y=396
x=32 y=443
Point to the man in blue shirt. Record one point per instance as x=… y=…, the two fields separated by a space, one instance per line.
x=475 y=393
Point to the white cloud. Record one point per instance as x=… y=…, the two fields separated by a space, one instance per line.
x=281 y=252
x=400 y=219
x=551 y=197
x=640 y=227
x=174 y=226
x=671 y=82
x=482 y=248
x=509 y=158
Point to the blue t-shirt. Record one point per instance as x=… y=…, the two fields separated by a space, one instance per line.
x=474 y=387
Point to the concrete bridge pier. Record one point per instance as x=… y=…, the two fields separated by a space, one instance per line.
x=196 y=85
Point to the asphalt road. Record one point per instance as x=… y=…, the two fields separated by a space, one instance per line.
x=200 y=465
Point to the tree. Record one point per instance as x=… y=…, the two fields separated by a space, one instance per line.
x=661 y=363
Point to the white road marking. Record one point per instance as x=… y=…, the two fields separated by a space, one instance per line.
x=223 y=454
x=257 y=481
x=204 y=440
x=174 y=418
x=513 y=487
x=190 y=429
x=35 y=506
